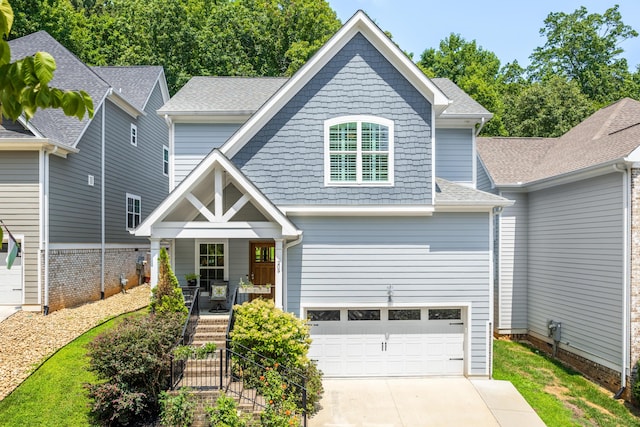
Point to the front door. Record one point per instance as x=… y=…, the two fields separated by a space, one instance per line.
x=262 y=268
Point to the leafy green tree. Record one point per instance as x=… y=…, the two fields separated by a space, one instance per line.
x=548 y=108
x=474 y=69
x=24 y=83
x=586 y=48
x=166 y=297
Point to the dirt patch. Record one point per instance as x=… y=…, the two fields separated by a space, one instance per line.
x=27 y=338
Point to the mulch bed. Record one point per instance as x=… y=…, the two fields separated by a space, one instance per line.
x=27 y=338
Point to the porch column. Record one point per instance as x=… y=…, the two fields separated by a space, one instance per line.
x=155 y=257
x=278 y=291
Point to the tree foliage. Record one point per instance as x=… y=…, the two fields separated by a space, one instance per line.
x=166 y=297
x=585 y=48
x=24 y=83
x=188 y=37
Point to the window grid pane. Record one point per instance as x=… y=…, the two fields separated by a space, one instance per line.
x=343 y=137
x=211 y=262
x=343 y=167
x=375 y=167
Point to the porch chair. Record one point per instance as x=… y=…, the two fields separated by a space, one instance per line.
x=218 y=293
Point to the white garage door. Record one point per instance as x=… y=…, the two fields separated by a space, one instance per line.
x=367 y=342
x=10 y=280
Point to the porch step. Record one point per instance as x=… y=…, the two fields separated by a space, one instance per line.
x=211 y=329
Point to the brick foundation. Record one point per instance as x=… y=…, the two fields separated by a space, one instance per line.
x=606 y=377
x=74 y=274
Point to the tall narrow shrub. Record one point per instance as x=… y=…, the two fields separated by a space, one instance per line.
x=167 y=297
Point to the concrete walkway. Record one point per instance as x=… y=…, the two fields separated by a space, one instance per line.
x=415 y=402
x=6 y=311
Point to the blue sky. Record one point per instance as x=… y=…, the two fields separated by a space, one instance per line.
x=509 y=28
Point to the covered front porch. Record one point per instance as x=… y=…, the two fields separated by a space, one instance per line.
x=219 y=227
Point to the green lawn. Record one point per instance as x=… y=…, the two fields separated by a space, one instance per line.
x=54 y=395
x=559 y=395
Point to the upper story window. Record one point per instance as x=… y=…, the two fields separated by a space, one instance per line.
x=165 y=160
x=358 y=151
x=134 y=212
x=134 y=135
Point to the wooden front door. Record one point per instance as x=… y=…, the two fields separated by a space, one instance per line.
x=263 y=267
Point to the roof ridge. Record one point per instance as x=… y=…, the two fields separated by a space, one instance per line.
x=612 y=116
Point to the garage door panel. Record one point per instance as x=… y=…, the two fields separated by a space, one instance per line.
x=419 y=347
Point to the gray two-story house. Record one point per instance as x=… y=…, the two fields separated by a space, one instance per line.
x=350 y=188
x=70 y=190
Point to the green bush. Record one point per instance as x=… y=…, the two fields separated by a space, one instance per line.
x=176 y=410
x=167 y=296
x=282 y=406
x=131 y=363
x=184 y=352
x=280 y=339
x=225 y=413
x=635 y=388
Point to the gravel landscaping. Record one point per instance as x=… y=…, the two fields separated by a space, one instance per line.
x=27 y=338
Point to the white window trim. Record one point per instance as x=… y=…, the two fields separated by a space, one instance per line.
x=225 y=245
x=359 y=182
x=133 y=135
x=165 y=163
x=126 y=209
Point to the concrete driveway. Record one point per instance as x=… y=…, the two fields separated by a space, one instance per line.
x=415 y=402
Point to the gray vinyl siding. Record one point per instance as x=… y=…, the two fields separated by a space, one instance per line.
x=455 y=155
x=439 y=259
x=482 y=180
x=193 y=141
x=511 y=300
x=74 y=206
x=285 y=159
x=576 y=264
x=19 y=209
x=133 y=169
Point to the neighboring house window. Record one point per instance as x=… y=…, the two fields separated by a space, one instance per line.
x=165 y=160
x=358 y=150
x=134 y=135
x=133 y=211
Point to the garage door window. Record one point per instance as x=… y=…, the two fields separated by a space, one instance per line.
x=445 y=314
x=323 y=315
x=364 y=314
x=404 y=314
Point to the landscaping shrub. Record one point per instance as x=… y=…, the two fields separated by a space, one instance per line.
x=132 y=365
x=282 y=405
x=176 y=410
x=225 y=413
x=167 y=297
x=281 y=339
x=635 y=388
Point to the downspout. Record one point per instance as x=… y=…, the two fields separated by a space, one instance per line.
x=45 y=231
x=626 y=176
x=102 y=195
x=285 y=268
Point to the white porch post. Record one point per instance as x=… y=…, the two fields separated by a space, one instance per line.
x=155 y=257
x=278 y=291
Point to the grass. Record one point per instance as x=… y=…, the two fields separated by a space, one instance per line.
x=560 y=396
x=54 y=394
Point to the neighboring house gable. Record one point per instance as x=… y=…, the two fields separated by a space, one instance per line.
x=77 y=247
x=567 y=247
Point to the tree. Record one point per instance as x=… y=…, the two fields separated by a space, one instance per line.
x=548 y=108
x=24 y=83
x=475 y=70
x=166 y=297
x=585 y=48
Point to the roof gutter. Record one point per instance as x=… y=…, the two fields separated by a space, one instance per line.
x=36 y=144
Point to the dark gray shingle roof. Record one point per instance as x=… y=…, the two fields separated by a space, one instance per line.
x=462 y=103
x=609 y=134
x=223 y=94
x=72 y=74
x=134 y=83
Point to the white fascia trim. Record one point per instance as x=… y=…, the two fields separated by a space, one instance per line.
x=348 y=210
x=359 y=23
x=124 y=105
x=216 y=158
x=312 y=305
x=465 y=207
x=96 y=246
x=27 y=125
x=486 y=171
x=231 y=230
x=36 y=144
